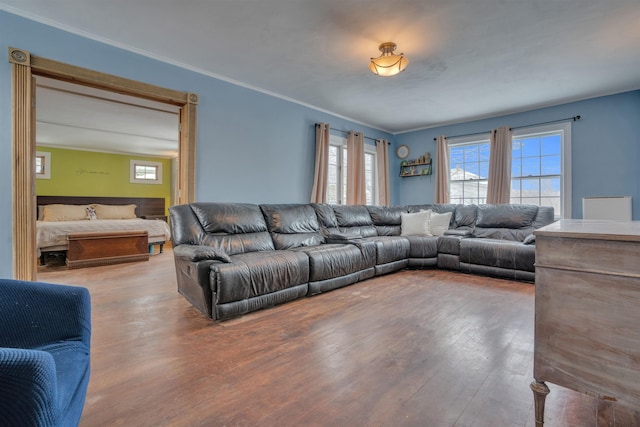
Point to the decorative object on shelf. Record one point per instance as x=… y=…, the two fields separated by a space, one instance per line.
x=408 y=167
x=388 y=63
x=402 y=152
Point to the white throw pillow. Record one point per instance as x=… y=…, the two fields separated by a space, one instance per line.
x=439 y=223
x=415 y=224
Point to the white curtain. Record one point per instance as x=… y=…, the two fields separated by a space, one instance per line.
x=319 y=192
x=443 y=171
x=382 y=159
x=499 y=185
x=356 y=194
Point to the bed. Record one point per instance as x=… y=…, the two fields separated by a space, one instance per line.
x=59 y=216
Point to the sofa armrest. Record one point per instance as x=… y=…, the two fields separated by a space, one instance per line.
x=34 y=314
x=29 y=387
x=343 y=237
x=197 y=253
x=460 y=233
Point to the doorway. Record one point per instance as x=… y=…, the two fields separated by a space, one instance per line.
x=24 y=67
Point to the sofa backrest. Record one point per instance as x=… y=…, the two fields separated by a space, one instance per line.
x=510 y=222
x=292 y=225
x=231 y=227
x=354 y=219
x=387 y=219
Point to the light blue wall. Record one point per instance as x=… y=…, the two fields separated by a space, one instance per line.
x=251 y=147
x=605 y=148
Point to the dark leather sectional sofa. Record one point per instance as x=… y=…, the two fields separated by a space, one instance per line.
x=234 y=258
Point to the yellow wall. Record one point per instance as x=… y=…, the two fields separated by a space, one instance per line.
x=88 y=173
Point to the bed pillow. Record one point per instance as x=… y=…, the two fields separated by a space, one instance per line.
x=415 y=224
x=115 y=211
x=55 y=212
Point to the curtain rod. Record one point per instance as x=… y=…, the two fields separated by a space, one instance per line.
x=346 y=132
x=573 y=119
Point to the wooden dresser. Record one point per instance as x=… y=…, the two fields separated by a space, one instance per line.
x=587 y=314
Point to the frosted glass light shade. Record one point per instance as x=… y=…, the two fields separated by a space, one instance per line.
x=388 y=64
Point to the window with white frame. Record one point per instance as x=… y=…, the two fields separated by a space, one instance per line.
x=469 y=163
x=43 y=165
x=145 y=172
x=541 y=168
x=337 y=172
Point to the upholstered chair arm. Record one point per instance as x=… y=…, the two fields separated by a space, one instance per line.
x=34 y=314
x=28 y=396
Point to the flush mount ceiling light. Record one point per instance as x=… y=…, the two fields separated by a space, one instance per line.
x=388 y=64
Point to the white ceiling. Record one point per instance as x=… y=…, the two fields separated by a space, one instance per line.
x=78 y=117
x=469 y=59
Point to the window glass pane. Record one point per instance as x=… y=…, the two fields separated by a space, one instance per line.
x=484 y=150
x=530 y=147
x=531 y=166
x=515 y=189
x=531 y=201
x=551 y=144
x=550 y=187
x=530 y=187
x=40 y=164
x=551 y=165
x=483 y=171
x=516 y=148
x=516 y=169
x=551 y=201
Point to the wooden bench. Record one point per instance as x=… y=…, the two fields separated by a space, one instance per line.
x=107 y=247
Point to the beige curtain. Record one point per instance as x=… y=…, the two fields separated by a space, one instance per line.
x=319 y=192
x=355 y=169
x=382 y=159
x=443 y=170
x=499 y=185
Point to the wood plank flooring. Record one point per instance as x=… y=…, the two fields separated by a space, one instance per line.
x=414 y=348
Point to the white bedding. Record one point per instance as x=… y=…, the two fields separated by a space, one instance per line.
x=53 y=235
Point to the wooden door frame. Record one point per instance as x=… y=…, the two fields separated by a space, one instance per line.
x=23 y=67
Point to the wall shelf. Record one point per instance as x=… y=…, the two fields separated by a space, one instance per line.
x=415 y=167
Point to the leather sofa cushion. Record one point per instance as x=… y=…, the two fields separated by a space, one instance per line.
x=258 y=273
x=506 y=216
x=229 y=218
x=387 y=219
x=465 y=216
x=497 y=253
x=326 y=216
x=389 y=248
x=386 y=215
x=292 y=225
x=231 y=228
x=352 y=216
x=335 y=260
x=515 y=235
x=449 y=244
x=422 y=246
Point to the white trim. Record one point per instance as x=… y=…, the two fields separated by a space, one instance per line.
x=47 y=165
x=132 y=172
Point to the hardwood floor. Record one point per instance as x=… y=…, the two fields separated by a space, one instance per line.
x=414 y=348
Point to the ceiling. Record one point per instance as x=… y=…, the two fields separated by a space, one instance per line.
x=78 y=117
x=469 y=59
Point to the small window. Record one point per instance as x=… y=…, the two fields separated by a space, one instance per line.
x=43 y=165
x=144 y=172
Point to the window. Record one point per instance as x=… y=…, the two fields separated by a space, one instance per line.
x=469 y=162
x=145 y=172
x=337 y=172
x=540 y=169
x=43 y=165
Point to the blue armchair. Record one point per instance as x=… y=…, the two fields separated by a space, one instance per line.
x=45 y=333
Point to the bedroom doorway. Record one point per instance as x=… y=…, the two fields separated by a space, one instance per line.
x=24 y=68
